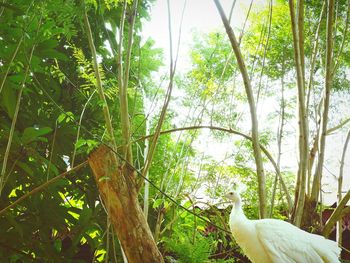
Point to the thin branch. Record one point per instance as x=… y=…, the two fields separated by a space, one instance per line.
x=245 y=23
x=10 y=64
x=340 y=125
x=252 y=107
x=79 y=127
x=152 y=146
x=314 y=55
x=15 y=115
x=123 y=78
x=99 y=82
x=302 y=111
x=266 y=152
x=42 y=187
x=231 y=10
x=337 y=60
x=337 y=213
x=265 y=52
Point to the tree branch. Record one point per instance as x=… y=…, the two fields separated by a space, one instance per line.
x=337 y=213
x=41 y=187
x=99 y=82
x=252 y=107
x=340 y=125
x=266 y=152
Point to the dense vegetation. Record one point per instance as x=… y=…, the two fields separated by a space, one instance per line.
x=75 y=75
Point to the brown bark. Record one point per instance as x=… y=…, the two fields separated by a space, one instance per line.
x=119 y=195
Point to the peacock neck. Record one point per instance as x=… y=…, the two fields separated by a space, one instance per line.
x=237 y=211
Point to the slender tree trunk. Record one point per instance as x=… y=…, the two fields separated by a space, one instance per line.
x=298 y=41
x=327 y=89
x=146 y=188
x=119 y=195
x=116 y=182
x=252 y=107
x=159 y=222
x=123 y=88
x=279 y=140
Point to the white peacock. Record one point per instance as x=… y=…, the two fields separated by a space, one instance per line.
x=277 y=241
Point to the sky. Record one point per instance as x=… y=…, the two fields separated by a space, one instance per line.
x=199 y=15
x=202 y=16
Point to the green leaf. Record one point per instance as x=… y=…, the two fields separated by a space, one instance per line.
x=68 y=116
x=157 y=203
x=61 y=117
x=80 y=143
x=9 y=99
x=33 y=134
x=25 y=167
x=58 y=245
x=85 y=216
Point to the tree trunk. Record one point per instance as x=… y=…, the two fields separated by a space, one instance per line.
x=327 y=92
x=119 y=195
x=298 y=43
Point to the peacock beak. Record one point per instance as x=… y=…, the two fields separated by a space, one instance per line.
x=228 y=196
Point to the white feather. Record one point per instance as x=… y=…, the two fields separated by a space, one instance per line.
x=277 y=241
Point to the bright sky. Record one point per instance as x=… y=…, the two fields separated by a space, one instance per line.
x=199 y=15
x=202 y=16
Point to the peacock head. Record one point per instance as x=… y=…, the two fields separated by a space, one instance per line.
x=233 y=195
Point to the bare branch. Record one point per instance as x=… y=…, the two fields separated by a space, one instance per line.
x=340 y=125
x=252 y=107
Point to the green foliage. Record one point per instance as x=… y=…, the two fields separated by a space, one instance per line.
x=60 y=120
x=66 y=222
x=279 y=55
x=188 y=251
